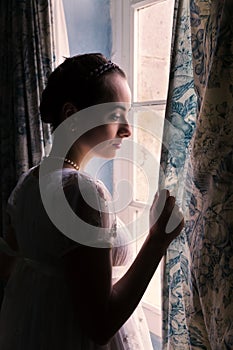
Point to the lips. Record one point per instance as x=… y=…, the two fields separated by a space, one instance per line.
x=117 y=145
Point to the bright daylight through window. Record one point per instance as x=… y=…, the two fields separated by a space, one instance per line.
x=144 y=52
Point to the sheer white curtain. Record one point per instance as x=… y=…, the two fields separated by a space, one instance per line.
x=61 y=42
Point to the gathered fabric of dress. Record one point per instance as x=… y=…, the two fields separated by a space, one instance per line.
x=37 y=311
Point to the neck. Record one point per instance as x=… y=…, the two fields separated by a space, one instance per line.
x=72 y=160
x=77 y=156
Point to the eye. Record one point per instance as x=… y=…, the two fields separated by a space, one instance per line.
x=115 y=117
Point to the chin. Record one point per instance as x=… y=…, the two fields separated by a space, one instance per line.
x=107 y=155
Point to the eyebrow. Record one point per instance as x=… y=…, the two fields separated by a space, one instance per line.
x=122 y=107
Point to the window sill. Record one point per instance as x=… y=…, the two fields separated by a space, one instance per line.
x=154 y=318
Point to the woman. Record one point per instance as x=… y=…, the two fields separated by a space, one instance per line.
x=64 y=291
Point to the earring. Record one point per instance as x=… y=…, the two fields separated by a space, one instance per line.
x=73 y=127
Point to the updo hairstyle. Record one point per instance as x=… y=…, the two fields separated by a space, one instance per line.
x=79 y=80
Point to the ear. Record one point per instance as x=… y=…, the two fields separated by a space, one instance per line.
x=68 y=109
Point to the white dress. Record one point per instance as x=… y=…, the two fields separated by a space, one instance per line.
x=37 y=311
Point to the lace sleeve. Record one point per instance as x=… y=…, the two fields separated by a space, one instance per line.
x=91 y=202
x=11 y=209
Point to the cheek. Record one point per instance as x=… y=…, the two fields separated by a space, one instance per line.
x=99 y=134
x=92 y=134
x=104 y=132
x=110 y=130
x=98 y=141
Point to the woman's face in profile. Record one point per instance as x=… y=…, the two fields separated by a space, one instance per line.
x=106 y=138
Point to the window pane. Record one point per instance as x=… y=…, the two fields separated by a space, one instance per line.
x=148 y=131
x=152 y=50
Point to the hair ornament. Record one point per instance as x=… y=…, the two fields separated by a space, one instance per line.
x=102 y=69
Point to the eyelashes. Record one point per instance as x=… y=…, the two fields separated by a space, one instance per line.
x=115 y=117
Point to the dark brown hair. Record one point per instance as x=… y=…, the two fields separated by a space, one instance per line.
x=75 y=81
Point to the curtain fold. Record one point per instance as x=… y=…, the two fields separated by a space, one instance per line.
x=27 y=57
x=179 y=127
x=198 y=268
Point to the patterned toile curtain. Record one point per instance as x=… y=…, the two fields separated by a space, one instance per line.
x=198 y=168
x=34 y=40
x=27 y=56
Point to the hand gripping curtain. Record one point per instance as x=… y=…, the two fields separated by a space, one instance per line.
x=198 y=168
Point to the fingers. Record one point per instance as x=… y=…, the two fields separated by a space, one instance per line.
x=175 y=219
x=158 y=206
x=161 y=207
x=166 y=213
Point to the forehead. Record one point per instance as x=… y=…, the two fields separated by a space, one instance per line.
x=117 y=89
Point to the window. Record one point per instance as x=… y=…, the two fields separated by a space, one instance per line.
x=142 y=33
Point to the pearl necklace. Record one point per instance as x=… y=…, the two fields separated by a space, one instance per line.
x=70 y=162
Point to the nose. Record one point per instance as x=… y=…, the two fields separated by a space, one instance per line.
x=124 y=130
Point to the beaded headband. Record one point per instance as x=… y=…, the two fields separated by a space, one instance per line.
x=102 y=69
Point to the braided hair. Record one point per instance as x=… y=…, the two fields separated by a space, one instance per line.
x=79 y=80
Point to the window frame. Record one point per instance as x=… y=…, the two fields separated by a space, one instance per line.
x=123 y=52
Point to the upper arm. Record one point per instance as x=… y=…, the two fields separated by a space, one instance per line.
x=88 y=273
x=89 y=276
x=7 y=262
x=88 y=268
x=10 y=236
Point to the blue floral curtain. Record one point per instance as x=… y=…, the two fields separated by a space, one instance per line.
x=26 y=58
x=198 y=168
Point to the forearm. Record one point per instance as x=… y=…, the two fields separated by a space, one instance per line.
x=128 y=291
x=102 y=307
